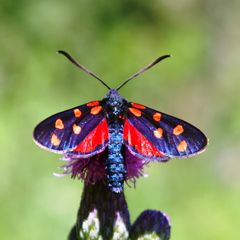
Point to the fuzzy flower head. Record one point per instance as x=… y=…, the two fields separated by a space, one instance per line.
x=93 y=169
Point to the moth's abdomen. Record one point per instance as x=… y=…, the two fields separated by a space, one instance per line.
x=115 y=161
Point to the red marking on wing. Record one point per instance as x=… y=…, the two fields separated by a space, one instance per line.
x=139 y=106
x=182 y=146
x=157 y=116
x=93 y=104
x=135 y=112
x=59 y=124
x=95 y=138
x=178 y=130
x=140 y=143
x=77 y=112
x=96 y=110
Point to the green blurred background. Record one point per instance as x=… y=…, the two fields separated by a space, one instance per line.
x=200 y=84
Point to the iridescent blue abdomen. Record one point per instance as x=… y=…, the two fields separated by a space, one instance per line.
x=115 y=162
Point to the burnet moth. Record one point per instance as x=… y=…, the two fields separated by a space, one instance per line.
x=114 y=125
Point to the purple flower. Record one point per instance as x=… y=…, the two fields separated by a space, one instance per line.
x=92 y=169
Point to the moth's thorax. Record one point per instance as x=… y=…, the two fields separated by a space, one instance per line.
x=114 y=104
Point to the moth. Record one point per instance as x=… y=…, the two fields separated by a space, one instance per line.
x=115 y=125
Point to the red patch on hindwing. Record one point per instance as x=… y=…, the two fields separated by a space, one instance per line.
x=140 y=143
x=95 y=138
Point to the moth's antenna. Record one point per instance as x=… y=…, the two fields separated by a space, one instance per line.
x=141 y=71
x=71 y=59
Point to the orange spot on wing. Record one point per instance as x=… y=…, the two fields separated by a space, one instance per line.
x=59 y=124
x=76 y=129
x=55 y=140
x=77 y=113
x=96 y=110
x=157 y=116
x=178 y=130
x=93 y=104
x=158 y=133
x=135 y=112
x=139 y=106
x=182 y=146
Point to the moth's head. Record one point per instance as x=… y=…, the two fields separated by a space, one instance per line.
x=114 y=101
x=113 y=97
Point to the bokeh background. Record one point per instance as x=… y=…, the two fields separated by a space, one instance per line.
x=200 y=84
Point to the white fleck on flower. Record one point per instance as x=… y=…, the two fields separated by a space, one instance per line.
x=90 y=227
x=149 y=236
x=120 y=231
x=85 y=226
